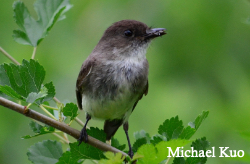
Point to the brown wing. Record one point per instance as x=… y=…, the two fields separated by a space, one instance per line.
x=84 y=72
x=144 y=93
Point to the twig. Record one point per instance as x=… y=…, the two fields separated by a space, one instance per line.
x=79 y=121
x=47 y=112
x=56 y=124
x=56 y=100
x=63 y=139
x=9 y=56
x=34 y=53
x=49 y=107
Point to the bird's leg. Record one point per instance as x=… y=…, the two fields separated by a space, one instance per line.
x=130 y=152
x=84 y=135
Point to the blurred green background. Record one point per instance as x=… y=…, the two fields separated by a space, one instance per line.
x=203 y=63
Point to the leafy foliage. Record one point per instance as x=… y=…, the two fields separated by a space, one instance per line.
x=45 y=152
x=70 y=110
x=115 y=143
x=198 y=145
x=24 y=82
x=32 y=32
x=85 y=151
x=66 y=158
x=148 y=149
x=112 y=158
x=171 y=129
x=39 y=130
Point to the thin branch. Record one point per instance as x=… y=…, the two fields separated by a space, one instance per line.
x=79 y=121
x=56 y=100
x=56 y=124
x=63 y=139
x=47 y=112
x=49 y=107
x=9 y=56
x=34 y=53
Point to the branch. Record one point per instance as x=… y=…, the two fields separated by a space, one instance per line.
x=56 y=124
x=9 y=56
x=34 y=53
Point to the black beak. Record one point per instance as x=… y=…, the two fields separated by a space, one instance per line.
x=155 y=32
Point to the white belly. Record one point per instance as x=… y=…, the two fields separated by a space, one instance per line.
x=119 y=108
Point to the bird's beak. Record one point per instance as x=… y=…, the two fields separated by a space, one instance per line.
x=155 y=32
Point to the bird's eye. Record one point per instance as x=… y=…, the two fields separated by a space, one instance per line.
x=128 y=33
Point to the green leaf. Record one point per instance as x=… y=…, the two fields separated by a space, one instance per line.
x=164 y=146
x=141 y=134
x=158 y=153
x=50 y=93
x=70 y=110
x=115 y=143
x=138 y=143
x=141 y=138
x=4 y=80
x=97 y=133
x=149 y=153
x=85 y=151
x=25 y=78
x=32 y=31
x=10 y=92
x=156 y=139
x=45 y=152
x=171 y=129
x=112 y=158
x=39 y=130
x=179 y=160
x=199 y=144
x=196 y=124
x=24 y=82
x=66 y=158
x=32 y=97
x=187 y=133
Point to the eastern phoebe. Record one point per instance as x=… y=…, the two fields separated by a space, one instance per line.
x=114 y=77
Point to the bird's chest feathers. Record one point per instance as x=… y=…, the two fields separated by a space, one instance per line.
x=128 y=72
x=130 y=67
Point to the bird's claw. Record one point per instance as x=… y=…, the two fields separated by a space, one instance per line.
x=130 y=153
x=83 y=136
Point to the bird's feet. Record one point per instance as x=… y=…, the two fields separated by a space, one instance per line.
x=83 y=136
x=130 y=153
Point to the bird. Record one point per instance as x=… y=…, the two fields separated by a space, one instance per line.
x=114 y=77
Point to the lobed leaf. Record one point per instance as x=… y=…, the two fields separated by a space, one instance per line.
x=112 y=158
x=32 y=31
x=115 y=143
x=171 y=129
x=159 y=152
x=10 y=92
x=45 y=152
x=66 y=158
x=86 y=151
x=70 y=110
x=50 y=93
x=39 y=130
x=156 y=139
x=24 y=82
x=196 y=124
